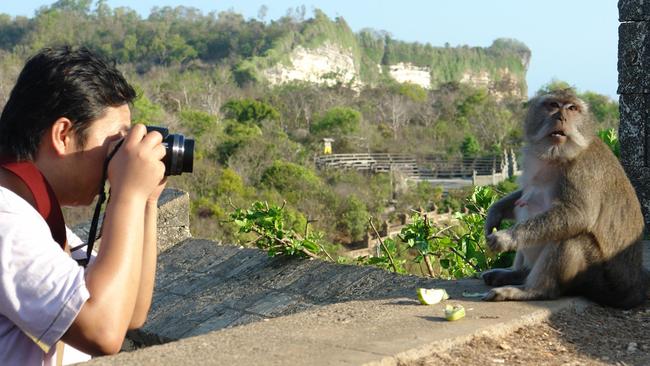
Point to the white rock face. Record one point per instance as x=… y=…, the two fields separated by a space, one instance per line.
x=505 y=86
x=327 y=64
x=477 y=79
x=330 y=64
x=408 y=73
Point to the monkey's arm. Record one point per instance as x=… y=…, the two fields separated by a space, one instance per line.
x=559 y=223
x=574 y=211
x=502 y=209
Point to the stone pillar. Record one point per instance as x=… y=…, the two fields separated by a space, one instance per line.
x=634 y=90
x=173 y=222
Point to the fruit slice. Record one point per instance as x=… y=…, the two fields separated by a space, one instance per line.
x=454 y=312
x=430 y=296
x=474 y=294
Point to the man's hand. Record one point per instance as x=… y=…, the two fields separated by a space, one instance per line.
x=136 y=168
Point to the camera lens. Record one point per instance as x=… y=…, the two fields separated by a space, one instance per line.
x=179 y=155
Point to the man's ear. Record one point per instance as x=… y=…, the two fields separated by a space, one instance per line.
x=61 y=136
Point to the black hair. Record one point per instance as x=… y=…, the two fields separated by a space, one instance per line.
x=59 y=82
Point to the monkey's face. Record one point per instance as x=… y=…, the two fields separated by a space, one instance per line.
x=558 y=126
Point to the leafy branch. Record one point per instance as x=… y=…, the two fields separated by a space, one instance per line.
x=267 y=222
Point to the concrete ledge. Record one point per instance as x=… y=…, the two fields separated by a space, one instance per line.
x=345 y=314
x=278 y=311
x=375 y=332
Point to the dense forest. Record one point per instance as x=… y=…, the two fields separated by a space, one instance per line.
x=203 y=75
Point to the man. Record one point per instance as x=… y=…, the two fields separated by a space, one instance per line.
x=67 y=109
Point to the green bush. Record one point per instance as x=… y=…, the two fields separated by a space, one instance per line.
x=353 y=218
x=507 y=186
x=235 y=135
x=249 y=110
x=337 y=121
x=470 y=146
x=147 y=112
x=197 y=122
x=460 y=251
x=295 y=182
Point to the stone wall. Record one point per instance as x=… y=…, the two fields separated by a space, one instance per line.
x=173 y=220
x=634 y=90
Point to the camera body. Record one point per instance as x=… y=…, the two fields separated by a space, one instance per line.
x=179 y=155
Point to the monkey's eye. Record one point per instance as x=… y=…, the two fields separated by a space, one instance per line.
x=553 y=105
x=572 y=107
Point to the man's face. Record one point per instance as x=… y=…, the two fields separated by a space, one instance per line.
x=88 y=162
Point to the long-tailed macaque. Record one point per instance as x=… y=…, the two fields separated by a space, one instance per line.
x=578 y=224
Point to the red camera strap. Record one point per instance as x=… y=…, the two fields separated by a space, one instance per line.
x=46 y=203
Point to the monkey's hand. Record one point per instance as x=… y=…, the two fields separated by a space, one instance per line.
x=501 y=241
x=492 y=222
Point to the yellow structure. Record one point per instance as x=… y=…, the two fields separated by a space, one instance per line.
x=327 y=146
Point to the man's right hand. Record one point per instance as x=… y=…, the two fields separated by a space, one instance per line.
x=137 y=168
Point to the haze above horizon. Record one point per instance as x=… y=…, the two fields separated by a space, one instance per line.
x=574 y=41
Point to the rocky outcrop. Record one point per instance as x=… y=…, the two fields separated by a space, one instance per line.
x=331 y=64
x=506 y=86
x=408 y=73
x=327 y=64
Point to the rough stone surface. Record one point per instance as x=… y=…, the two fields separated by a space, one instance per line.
x=630 y=10
x=173 y=220
x=317 y=66
x=633 y=58
x=635 y=145
x=203 y=287
x=634 y=87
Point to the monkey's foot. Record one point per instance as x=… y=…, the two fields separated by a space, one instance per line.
x=519 y=293
x=505 y=293
x=502 y=277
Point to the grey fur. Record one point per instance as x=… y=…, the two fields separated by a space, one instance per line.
x=580 y=225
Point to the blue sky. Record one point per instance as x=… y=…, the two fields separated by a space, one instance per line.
x=571 y=40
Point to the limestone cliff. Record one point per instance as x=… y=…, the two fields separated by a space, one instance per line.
x=327 y=52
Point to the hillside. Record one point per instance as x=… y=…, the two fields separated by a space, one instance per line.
x=260 y=96
x=327 y=52
x=317 y=49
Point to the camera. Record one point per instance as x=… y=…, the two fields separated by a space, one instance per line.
x=179 y=155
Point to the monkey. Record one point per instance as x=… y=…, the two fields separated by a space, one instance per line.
x=578 y=222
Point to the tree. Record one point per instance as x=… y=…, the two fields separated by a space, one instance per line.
x=81 y=6
x=249 y=110
x=353 y=218
x=470 y=146
x=337 y=121
x=145 y=111
x=604 y=110
x=295 y=182
x=198 y=122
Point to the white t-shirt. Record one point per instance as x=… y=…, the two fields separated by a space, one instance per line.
x=42 y=289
